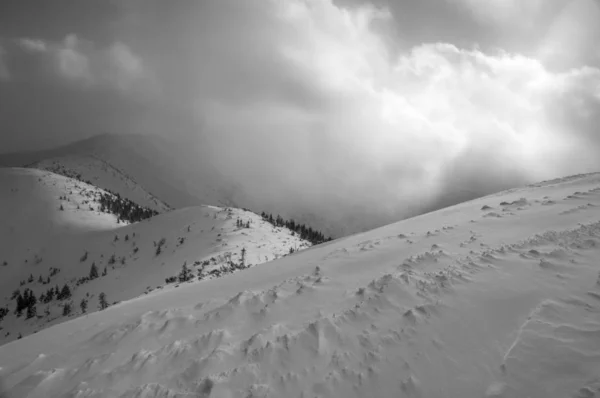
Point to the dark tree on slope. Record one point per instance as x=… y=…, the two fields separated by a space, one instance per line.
x=83 y=305
x=186 y=274
x=21 y=305
x=3 y=313
x=31 y=311
x=65 y=293
x=313 y=236
x=93 y=271
x=102 y=301
x=124 y=208
x=67 y=308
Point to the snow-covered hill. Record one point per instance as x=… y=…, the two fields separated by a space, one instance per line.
x=103 y=175
x=53 y=233
x=496 y=297
x=175 y=172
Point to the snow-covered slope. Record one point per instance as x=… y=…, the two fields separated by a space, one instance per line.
x=496 y=297
x=103 y=175
x=43 y=247
x=175 y=172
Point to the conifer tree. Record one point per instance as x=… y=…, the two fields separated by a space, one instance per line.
x=93 y=271
x=102 y=301
x=83 y=305
x=31 y=311
x=186 y=274
x=20 y=305
x=243 y=261
x=65 y=293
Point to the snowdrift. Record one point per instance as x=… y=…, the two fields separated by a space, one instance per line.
x=455 y=303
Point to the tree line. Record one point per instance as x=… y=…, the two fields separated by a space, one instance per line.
x=124 y=208
x=307 y=233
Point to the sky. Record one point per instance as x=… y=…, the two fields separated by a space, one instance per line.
x=365 y=109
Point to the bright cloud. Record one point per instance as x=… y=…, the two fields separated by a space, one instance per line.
x=312 y=107
x=393 y=129
x=80 y=61
x=33 y=45
x=72 y=62
x=126 y=68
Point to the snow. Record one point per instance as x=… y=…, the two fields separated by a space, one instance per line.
x=103 y=175
x=37 y=237
x=453 y=303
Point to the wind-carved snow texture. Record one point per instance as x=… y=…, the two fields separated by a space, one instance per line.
x=449 y=304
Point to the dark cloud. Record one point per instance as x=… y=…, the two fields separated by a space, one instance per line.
x=347 y=114
x=53 y=20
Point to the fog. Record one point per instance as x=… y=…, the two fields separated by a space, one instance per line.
x=355 y=113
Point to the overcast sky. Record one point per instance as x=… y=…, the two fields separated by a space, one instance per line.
x=384 y=105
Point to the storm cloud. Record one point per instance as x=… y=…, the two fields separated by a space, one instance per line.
x=357 y=113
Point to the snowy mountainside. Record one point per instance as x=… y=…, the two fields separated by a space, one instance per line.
x=174 y=172
x=103 y=175
x=54 y=233
x=496 y=297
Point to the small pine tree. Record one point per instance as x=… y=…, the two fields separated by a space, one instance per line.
x=243 y=261
x=61 y=207
x=186 y=274
x=31 y=311
x=65 y=293
x=67 y=309
x=83 y=305
x=30 y=278
x=93 y=271
x=102 y=301
x=40 y=280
